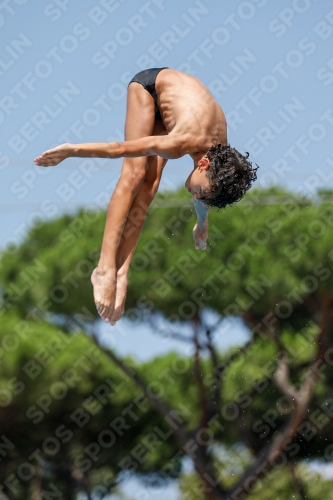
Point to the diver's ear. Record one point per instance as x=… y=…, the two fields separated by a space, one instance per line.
x=204 y=163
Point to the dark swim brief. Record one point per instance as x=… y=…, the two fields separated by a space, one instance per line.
x=147 y=79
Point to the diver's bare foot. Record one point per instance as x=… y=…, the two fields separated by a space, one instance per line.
x=104 y=283
x=121 y=290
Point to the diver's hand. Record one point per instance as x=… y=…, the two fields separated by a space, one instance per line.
x=54 y=156
x=200 y=235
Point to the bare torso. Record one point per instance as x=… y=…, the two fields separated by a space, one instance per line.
x=187 y=107
x=193 y=121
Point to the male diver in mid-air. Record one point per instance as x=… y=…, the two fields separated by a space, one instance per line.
x=169 y=114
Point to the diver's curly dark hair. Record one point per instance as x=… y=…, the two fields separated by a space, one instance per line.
x=230 y=173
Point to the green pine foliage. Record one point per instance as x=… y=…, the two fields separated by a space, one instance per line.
x=268 y=261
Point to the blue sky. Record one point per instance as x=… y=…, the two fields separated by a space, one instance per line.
x=64 y=76
x=64 y=69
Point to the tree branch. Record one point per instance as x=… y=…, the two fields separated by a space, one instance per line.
x=81 y=480
x=198 y=377
x=217 y=324
x=276 y=446
x=160 y=405
x=215 y=387
x=185 y=439
x=237 y=354
x=325 y=325
x=170 y=334
x=298 y=485
x=282 y=379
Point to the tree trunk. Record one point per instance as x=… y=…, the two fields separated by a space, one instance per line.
x=298 y=485
x=35 y=490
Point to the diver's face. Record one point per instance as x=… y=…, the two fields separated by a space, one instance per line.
x=197 y=182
